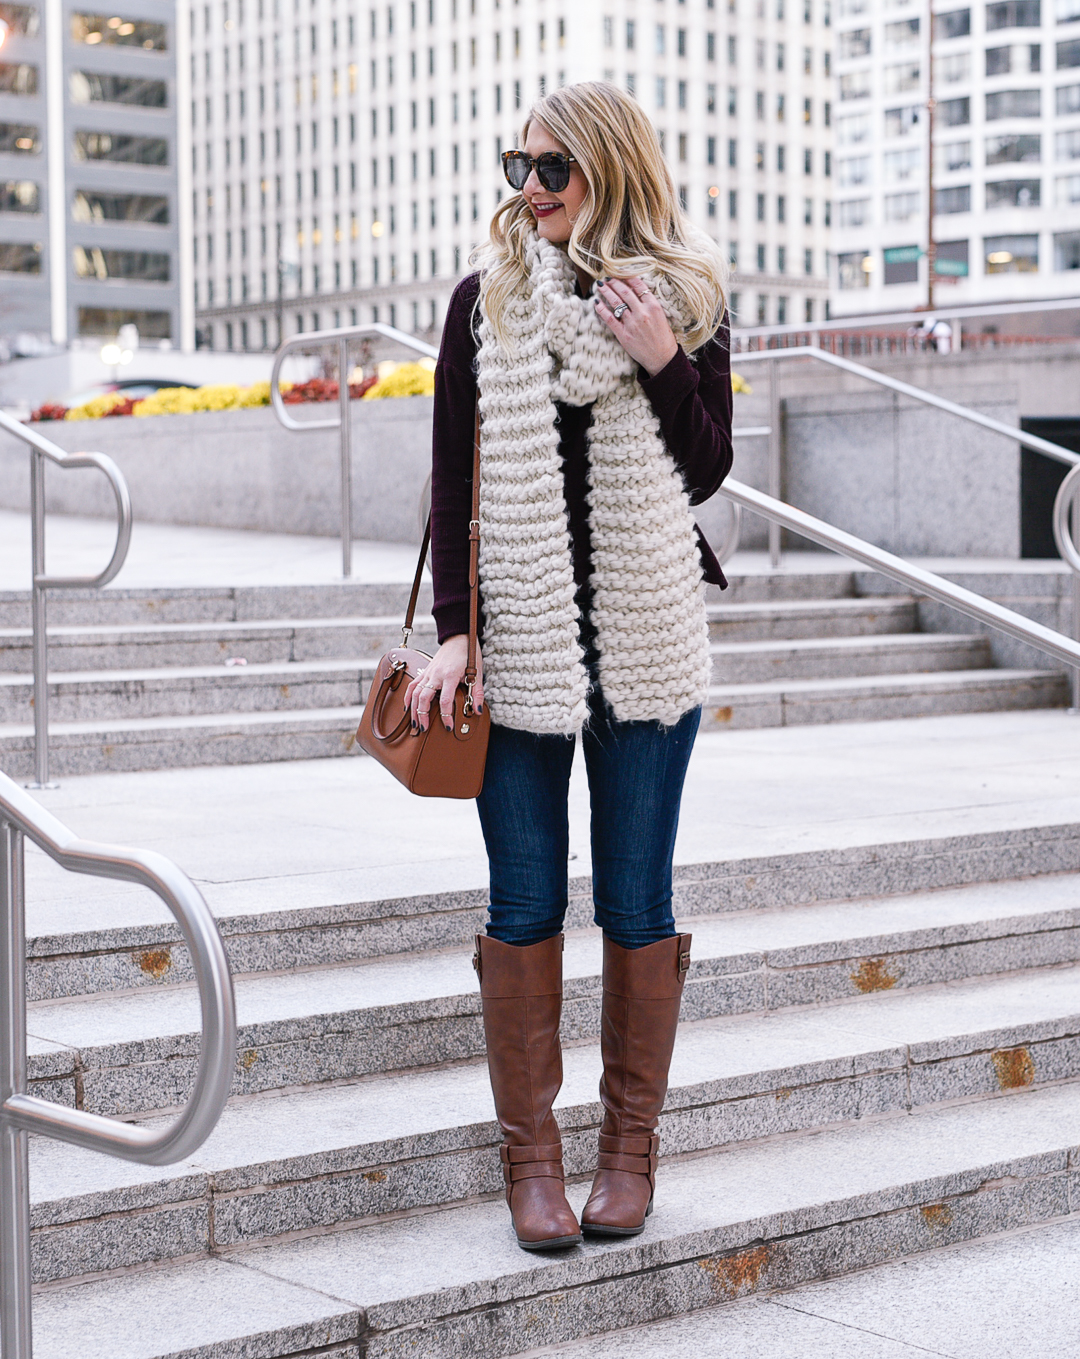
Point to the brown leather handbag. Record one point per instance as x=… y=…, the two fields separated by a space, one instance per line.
x=436 y=762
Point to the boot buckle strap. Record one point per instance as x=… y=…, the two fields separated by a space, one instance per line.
x=684 y=962
x=514 y=1155
x=534 y=1170
x=633 y=1165
x=630 y=1146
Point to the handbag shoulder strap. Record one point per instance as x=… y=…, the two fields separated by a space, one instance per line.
x=474 y=568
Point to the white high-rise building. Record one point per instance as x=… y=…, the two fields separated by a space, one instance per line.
x=1006 y=139
x=92 y=184
x=346 y=159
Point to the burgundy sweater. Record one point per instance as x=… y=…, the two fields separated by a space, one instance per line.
x=692 y=402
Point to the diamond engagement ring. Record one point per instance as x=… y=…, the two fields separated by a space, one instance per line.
x=618 y=311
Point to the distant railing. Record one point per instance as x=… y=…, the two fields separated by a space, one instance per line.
x=21 y=818
x=1066 y=506
x=870 y=343
x=339 y=339
x=40 y=449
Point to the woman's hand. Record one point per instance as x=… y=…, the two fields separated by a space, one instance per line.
x=441 y=677
x=643 y=329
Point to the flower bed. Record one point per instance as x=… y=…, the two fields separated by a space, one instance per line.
x=406 y=379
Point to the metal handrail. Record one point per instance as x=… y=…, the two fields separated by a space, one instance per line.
x=22 y=818
x=1067 y=500
x=1053 y=643
x=41 y=448
x=340 y=337
x=954 y=312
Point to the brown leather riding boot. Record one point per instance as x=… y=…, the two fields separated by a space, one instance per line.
x=642 y=994
x=521 y=994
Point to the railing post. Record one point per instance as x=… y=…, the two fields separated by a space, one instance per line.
x=1074 y=674
x=37 y=605
x=346 y=458
x=15 y=1304
x=775 y=449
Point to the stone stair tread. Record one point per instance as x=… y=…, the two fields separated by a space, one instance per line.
x=410 y=1114
x=412 y=1271
x=162 y=676
x=884 y=641
x=794 y=608
x=458 y=1271
x=193 y=722
x=791 y=938
x=256 y=627
x=240 y=1315
x=937 y=679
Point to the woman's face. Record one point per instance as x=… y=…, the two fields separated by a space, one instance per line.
x=554 y=212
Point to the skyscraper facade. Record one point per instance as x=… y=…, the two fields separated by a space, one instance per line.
x=90 y=167
x=1005 y=170
x=346 y=160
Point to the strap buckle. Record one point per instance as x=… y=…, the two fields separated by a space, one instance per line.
x=684 y=962
x=406 y=633
x=468 y=709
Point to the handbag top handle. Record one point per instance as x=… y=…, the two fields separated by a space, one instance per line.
x=474 y=571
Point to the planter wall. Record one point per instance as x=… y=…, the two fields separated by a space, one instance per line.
x=241 y=469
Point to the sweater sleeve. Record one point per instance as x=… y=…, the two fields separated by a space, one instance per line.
x=451 y=463
x=693 y=404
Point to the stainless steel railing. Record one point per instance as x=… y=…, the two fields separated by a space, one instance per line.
x=1068 y=497
x=40 y=449
x=22 y=818
x=1052 y=643
x=340 y=339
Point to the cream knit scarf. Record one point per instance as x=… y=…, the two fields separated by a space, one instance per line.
x=648 y=597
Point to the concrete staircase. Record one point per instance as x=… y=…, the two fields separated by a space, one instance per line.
x=862 y=1073
x=145 y=679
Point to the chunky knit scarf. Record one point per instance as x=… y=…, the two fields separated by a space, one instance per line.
x=648 y=604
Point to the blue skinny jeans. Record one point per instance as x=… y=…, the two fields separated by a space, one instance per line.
x=636 y=772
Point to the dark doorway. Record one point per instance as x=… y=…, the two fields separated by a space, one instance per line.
x=1040 y=478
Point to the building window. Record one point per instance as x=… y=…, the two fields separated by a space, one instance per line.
x=1013 y=14
x=17 y=257
x=955 y=199
x=955 y=24
x=808 y=262
x=1066 y=251
x=1013 y=104
x=1011 y=254
x=1014 y=193
x=853 y=269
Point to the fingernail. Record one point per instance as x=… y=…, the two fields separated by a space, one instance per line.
x=415 y=726
x=449 y=726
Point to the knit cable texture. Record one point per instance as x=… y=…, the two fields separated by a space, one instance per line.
x=648 y=596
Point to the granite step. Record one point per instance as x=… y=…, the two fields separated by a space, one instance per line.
x=399 y=1143
x=285 y=684
x=257 y=641
x=452 y=1283
x=191 y=691
x=129 y=744
x=118 y=606
x=785 y=703
x=133 y=1052
x=967 y=890
x=824 y=658
x=785 y=620
x=126 y=745
x=139 y=646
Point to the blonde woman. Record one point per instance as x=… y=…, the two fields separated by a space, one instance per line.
x=594 y=332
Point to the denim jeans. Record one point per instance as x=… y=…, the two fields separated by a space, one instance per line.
x=636 y=772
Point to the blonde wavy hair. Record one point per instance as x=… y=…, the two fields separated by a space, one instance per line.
x=630 y=223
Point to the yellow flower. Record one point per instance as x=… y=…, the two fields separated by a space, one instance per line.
x=740 y=384
x=407 y=379
x=258 y=394
x=167 y=401
x=96 y=407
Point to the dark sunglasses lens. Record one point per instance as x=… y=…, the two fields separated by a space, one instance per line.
x=516 y=169
x=553 y=172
